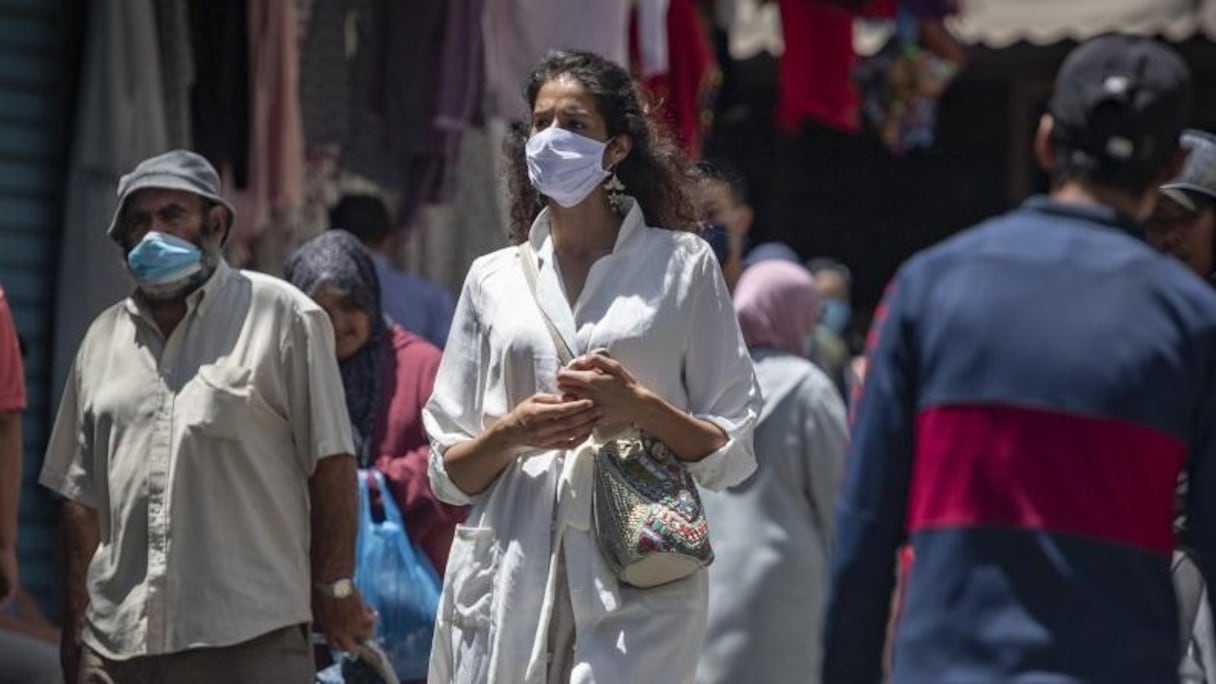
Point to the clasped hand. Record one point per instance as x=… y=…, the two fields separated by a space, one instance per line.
x=595 y=390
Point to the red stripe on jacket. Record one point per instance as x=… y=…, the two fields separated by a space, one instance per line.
x=1007 y=466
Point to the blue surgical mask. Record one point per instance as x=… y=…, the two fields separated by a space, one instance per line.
x=160 y=259
x=166 y=267
x=835 y=316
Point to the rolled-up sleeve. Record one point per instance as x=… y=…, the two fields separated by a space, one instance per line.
x=320 y=424
x=454 y=412
x=720 y=380
x=68 y=469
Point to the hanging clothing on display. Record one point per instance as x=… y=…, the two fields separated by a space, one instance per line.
x=120 y=120
x=816 y=66
x=411 y=89
x=686 y=91
x=518 y=33
x=176 y=68
x=324 y=107
x=270 y=205
x=324 y=90
x=276 y=154
x=365 y=147
x=219 y=36
x=652 y=51
x=460 y=88
x=900 y=87
x=752 y=27
x=471 y=224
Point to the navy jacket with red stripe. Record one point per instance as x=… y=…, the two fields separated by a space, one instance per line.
x=1035 y=387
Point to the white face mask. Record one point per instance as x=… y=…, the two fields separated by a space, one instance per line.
x=565 y=166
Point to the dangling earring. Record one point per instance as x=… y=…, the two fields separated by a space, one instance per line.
x=616 y=193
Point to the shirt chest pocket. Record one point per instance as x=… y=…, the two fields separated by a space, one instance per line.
x=217 y=401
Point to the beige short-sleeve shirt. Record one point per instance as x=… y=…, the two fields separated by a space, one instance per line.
x=196 y=452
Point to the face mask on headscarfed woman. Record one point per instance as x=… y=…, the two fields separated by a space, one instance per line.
x=565 y=166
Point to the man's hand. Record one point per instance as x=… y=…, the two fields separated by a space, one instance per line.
x=8 y=575
x=81 y=535
x=345 y=621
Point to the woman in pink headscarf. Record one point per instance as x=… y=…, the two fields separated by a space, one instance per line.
x=771 y=533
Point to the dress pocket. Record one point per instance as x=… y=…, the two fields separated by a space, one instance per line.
x=217 y=401
x=471 y=571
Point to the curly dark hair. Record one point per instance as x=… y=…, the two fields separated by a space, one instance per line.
x=655 y=172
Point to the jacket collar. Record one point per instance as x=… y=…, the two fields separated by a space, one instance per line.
x=1102 y=214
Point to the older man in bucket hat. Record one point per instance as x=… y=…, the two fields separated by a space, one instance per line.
x=203 y=452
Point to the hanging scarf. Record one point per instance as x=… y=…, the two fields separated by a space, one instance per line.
x=336 y=259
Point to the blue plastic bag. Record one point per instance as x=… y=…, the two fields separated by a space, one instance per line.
x=398 y=581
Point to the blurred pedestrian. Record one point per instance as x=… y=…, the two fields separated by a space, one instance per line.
x=416 y=304
x=1182 y=225
x=722 y=196
x=388 y=374
x=827 y=345
x=1036 y=385
x=1184 y=220
x=771 y=533
x=24 y=657
x=528 y=597
x=204 y=454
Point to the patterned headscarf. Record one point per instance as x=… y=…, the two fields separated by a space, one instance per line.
x=777 y=305
x=337 y=259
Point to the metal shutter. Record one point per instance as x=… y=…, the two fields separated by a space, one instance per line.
x=34 y=72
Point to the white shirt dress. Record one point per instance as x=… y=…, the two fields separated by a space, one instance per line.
x=658 y=303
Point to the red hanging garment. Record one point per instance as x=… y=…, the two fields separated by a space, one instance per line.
x=685 y=93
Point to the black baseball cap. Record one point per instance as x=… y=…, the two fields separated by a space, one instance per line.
x=1121 y=101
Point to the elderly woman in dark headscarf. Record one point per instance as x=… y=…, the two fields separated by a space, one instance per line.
x=388 y=375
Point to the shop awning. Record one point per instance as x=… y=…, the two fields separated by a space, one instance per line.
x=1000 y=23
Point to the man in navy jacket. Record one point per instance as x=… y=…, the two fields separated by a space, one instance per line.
x=1036 y=386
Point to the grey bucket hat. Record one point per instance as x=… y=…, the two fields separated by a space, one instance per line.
x=1198 y=177
x=174 y=170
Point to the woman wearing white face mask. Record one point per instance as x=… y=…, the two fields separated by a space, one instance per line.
x=602 y=200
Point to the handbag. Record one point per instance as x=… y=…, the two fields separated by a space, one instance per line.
x=398 y=581
x=648 y=519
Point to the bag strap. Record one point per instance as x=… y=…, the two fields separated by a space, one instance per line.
x=527 y=256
